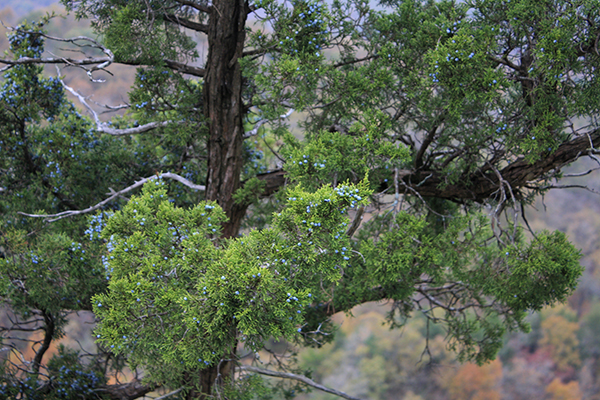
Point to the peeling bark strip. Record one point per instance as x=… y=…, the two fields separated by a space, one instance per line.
x=224 y=107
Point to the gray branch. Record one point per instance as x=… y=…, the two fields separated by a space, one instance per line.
x=103 y=127
x=301 y=378
x=173 y=393
x=96 y=63
x=263 y=121
x=70 y=213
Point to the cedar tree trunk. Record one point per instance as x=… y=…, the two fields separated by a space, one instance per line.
x=223 y=107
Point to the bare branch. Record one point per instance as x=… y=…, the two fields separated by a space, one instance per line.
x=173 y=393
x=70 y=213
x=301 y=378
x=589 y=171
x=97 y=63
x=263 y=121
x=584 y=187
x=62 y=60
x=258 y=52
x=182 y=180
x=101 y=62
x=103 y=127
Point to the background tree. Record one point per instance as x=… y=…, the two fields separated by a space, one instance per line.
x=425 y=115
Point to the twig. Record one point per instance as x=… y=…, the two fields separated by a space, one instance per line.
x=301 y=378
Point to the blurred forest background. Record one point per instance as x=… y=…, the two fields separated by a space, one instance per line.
x=558 y=360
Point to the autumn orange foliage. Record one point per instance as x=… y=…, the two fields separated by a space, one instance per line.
x=472 y=382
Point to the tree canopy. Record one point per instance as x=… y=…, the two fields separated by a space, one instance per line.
x=425 y=129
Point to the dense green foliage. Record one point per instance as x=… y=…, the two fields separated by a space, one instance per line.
x=437 y=121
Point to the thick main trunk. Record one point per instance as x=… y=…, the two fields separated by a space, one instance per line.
x=224 y=108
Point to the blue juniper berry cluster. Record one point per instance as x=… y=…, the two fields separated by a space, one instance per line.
x=304 y=32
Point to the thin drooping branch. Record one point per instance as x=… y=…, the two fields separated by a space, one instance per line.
x=300 y=378
x=103 y=127
x=141 y=182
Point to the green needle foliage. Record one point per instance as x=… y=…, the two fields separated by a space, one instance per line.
x=426 y=128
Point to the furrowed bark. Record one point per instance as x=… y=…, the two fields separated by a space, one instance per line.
x=224 y=108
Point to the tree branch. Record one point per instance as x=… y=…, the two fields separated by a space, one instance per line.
x=505 y=61
x=301 y=378
x=356 y=222
x=263 y=121
x=70 y=213
x=102 y=62
x=127 y=391
x=195 y=26
x=49 y=330
x=97 y=63
x=257 y=52
x=196 y=6
x=483 y=183
x=103 y=127
x=184 y=68
x=173 y=393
